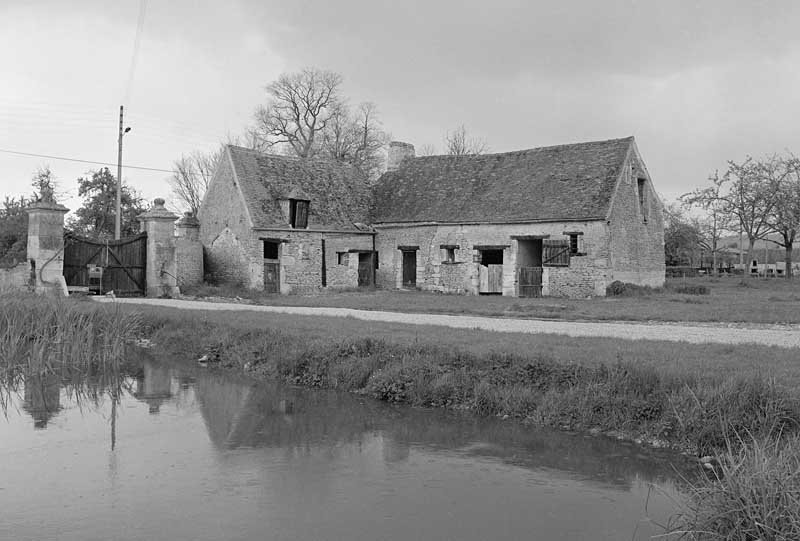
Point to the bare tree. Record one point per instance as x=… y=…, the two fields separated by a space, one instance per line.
x=298 y=111
x=427 y=150
x=191 y=176
x=784 y=219
x=355 y=138
x=754 y=189
x=459 y=143
x=716 y=219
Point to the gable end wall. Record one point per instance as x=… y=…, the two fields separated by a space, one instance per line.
x=225 y=231
x=637 y=246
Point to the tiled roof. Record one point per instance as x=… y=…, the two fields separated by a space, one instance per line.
x=339 y=194
x=566 y=182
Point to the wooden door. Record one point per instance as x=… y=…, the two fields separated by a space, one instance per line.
x=530 y=281
x=490 y=279
x=410 y=268
x=272 y=277
x=365 y=267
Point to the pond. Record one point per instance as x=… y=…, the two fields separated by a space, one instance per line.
x=190 y=453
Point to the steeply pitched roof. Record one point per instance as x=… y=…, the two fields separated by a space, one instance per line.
x=339 y=194
x=566 y=182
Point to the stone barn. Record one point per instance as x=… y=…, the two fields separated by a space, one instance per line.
x=555 y=221
x=287 y=225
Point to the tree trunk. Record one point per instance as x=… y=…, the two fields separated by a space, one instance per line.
x=788 y=261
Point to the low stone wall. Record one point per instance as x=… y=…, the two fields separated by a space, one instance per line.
x=16 y=278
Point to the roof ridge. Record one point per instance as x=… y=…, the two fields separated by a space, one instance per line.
x=524 y=150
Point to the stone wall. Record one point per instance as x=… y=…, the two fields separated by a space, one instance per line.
x=637 y=231
x=300 y=256
x=16 y=278
x=225 y=231
x=586 y=275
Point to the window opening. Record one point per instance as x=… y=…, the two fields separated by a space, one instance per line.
x=573 y=243
x=270 y=250
x=642 y=198
x=342 y=258
x=491 y=257
x=298 y=213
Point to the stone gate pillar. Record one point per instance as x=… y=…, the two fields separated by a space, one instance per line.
x=46 y=246
x=161 y=274
x=188 y=251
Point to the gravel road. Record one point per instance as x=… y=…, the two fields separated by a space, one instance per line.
x=775 y=335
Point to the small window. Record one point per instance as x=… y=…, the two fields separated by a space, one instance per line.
x=573 y=243
x=270 y=250
x=641 y=186
x=298 y=213
x=342 y=258
x=449 y=255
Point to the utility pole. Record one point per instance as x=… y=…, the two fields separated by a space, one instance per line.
x=118 y=213
x=117 y=219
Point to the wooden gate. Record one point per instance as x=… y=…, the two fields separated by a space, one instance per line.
x=530 y=281
x=123 y=263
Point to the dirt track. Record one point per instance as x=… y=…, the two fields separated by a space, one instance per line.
x=787 y=337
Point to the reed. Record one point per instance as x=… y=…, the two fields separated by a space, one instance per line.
x=751 y=491
x=42 y=334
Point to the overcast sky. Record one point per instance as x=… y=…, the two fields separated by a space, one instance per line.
x=697 y=83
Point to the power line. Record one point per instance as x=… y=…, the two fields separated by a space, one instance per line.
x=136 y=42
x=80 y=161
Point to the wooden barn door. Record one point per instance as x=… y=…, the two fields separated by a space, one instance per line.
x=410 y=268
x=530 y=281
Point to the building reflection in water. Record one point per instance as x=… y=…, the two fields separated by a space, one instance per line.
x=154 y=385
x=42 y=398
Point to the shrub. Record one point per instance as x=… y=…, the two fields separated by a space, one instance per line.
x=626 y=289
x=691 y=289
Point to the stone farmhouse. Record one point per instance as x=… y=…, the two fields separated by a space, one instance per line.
x=555 y=221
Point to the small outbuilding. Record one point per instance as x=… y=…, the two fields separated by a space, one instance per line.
x=285 y=225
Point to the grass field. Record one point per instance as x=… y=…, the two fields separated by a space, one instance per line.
x=730 y=299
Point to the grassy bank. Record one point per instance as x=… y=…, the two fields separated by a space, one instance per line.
x=661 y=398
x=47 y=334
x=732 y=299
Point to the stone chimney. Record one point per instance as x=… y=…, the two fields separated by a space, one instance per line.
x=398 y=151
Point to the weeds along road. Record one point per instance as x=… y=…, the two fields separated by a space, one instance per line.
x=786 y=337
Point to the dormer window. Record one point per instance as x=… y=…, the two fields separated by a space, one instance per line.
x=298 y=213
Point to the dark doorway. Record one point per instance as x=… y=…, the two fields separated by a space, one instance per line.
x=410 y=268
x=272 y=267
x=529 y=268
x=491 y=272
x=365 y=268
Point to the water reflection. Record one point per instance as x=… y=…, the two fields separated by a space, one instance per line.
x=42 y=398
x=241 y=414
x=231 y=455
